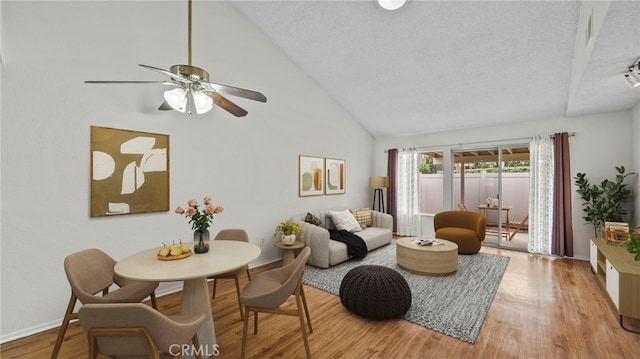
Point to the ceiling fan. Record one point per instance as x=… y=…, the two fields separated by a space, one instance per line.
x=194 y=92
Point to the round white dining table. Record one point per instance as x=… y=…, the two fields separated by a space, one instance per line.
x=223 y=256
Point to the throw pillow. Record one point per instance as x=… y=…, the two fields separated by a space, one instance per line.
x=363 y=216
x=310 y=218
x=344 y=220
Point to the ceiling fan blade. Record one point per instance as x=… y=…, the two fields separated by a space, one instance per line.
x=227 y=105
x=236 y=91
x=165 y=107
x=176 y=77
x=129 y=82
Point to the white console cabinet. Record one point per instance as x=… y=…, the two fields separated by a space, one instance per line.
x=619 y=274
x=613 y=283
x=593 y=257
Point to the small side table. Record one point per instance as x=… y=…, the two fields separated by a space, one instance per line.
x=289 y=254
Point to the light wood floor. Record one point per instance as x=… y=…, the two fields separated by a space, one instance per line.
x=544 y=308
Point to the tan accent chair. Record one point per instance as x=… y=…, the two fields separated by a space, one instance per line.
x=137 y=330
x=90 y=272
x=270 y=289
x=233 y=234
x=464 y=228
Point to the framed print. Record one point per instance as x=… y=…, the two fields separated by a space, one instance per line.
x=310 y=176
x=335 y=180
x=129 y=172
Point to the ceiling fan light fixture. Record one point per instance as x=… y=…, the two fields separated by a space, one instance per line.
x=202 y=102
x=631 y=80
x=391 y=4
x=177 y=99
x=194 y=92
x=632 y=76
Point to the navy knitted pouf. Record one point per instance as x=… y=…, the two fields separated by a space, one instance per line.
x=375 y=292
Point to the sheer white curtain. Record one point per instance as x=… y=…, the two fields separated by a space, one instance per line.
x=541 y=194
x=408 y=215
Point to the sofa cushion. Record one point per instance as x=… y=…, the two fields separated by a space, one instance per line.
x=344 y=220
x=376 y=237
x=310 y=218
x=363 y=216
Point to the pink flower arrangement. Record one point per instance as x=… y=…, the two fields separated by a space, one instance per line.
x=200 y=219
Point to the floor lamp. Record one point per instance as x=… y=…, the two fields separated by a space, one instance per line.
x=378 y=183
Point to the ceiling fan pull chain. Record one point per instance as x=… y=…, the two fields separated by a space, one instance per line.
x=189 y=34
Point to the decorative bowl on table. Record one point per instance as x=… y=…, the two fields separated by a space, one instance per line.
x=173 y=258
x=174 y=252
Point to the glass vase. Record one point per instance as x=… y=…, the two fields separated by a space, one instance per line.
x=201 y=238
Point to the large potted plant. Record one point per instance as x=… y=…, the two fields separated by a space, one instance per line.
x=633 y=244
x=604 y=202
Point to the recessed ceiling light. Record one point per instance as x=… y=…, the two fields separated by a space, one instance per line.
x=391 y=4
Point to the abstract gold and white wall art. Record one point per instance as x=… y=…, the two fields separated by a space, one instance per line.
x=129 y=172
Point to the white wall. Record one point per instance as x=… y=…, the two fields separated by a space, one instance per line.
x=248 y=165
x=601 y=142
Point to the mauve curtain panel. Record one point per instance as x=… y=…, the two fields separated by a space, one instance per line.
x=562 y=233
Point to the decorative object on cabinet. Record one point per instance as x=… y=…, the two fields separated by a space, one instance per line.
x=615 y=232
x=129 y=172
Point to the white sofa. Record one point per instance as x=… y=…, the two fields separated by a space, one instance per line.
x=326 y=252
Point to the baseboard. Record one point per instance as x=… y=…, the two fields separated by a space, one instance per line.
x=56 y=323
x=175 y=287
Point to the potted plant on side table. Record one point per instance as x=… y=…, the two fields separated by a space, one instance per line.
x=288 y=230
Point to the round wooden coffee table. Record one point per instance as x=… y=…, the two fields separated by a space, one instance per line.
x=431 y=260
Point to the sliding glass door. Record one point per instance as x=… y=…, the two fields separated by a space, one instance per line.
x=495 y=182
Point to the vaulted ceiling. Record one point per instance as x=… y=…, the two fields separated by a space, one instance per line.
x=441 y=65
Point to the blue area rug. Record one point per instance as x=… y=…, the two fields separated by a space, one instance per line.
x=455 y=304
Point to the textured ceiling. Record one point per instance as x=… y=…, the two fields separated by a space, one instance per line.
x=441 y=65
